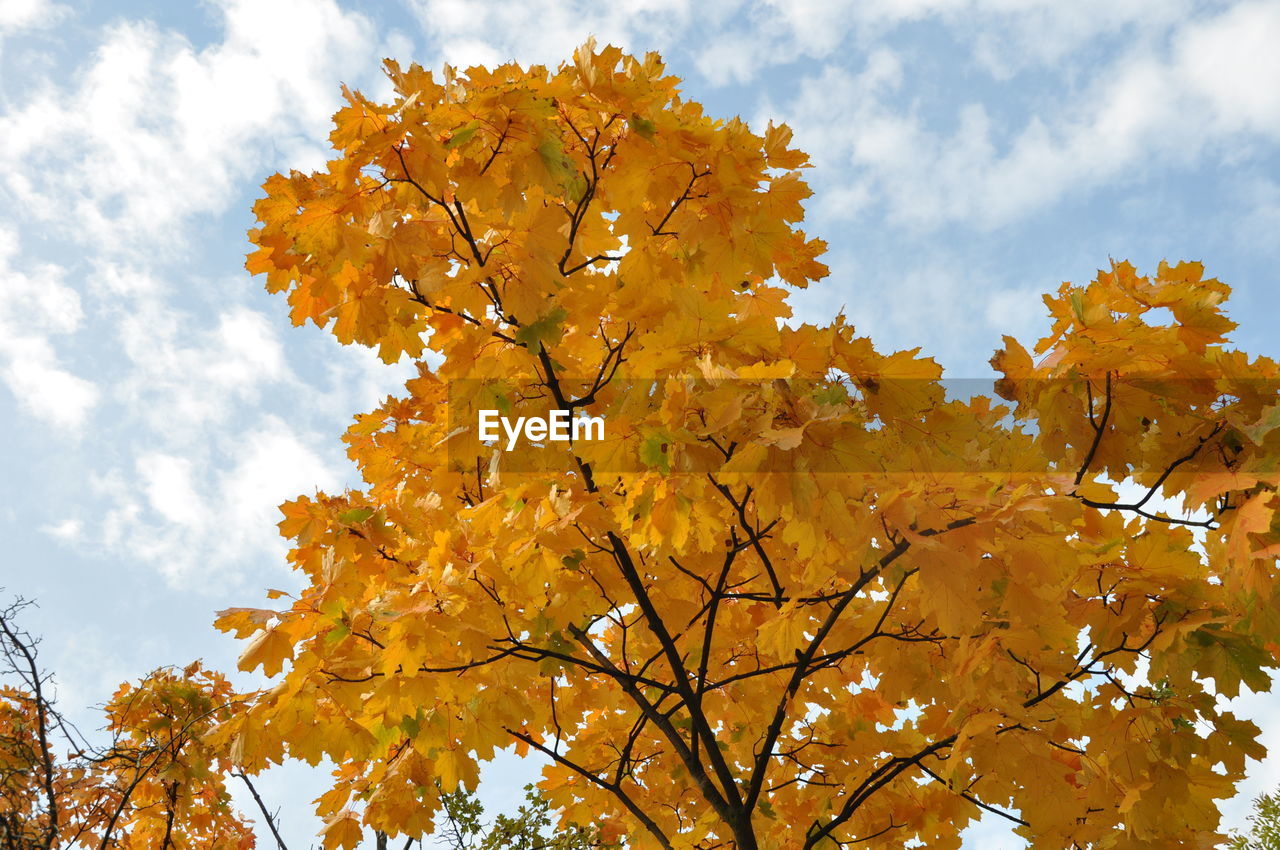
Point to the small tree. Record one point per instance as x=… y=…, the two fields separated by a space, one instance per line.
x=156 y=784
x=30 y=778
x=797 y=597
x=532 y=827
x=1264 y=826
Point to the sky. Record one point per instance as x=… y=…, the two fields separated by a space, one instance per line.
x=156 y=405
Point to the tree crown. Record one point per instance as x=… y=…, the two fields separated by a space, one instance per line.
x=798 y=597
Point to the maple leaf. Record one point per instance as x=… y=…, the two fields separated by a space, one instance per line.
x=270 y=649
x=342 y=832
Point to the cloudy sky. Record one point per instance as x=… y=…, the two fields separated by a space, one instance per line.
x=155 y=404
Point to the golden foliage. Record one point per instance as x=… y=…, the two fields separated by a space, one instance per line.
x=799 y=597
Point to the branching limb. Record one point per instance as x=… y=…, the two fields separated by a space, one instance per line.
x=19 y=653
x=613 y=788
x=262 y=807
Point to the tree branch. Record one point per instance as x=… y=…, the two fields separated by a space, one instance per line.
x=612 y=788
x=262 y=807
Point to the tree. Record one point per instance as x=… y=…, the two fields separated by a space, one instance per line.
x=1264 y=826
x=797 y=596
x=464 y=828
x=29 y=779
x=157 y=784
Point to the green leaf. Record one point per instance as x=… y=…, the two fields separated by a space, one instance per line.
x=536 y=335
x=555 y=160
x=497 y=395
x=1231 y=659
x=385 y=734
x=1268 y=422
x=1077 y=304
x=355 y=515
x=411 y=725
x=462 y=135
x=832 y=394
x=655 y=451
x=643 y=126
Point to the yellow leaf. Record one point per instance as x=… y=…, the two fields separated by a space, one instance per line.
x=270 y=649
x=342 y=832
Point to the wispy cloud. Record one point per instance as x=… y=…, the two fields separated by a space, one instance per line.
x=152 y=131
x=156 y=140
x=213 y=511
x=469 y=32
x=17 y=15
x=37 y=307
x=1202 y=96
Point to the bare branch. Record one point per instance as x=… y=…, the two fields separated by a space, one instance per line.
x=262 y=807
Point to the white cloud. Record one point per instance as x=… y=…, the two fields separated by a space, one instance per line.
x=18 y=15
x=1217 y=86
x=956 y=313
x=360 y=381
x=167 y=481
x=185 y=379
x=1261 y=220
x=213 y=509
x=154 y=131
x=1232 y=63
x=112 y=281
x=251 y=349
x=154 y=135
x=49 y=393
x=467 y=32
x=36 y=307
x=735 y=58
x=749 y=38
x=1018 y=312
x=1006 y=35
x=66 y=530
x=272 y=464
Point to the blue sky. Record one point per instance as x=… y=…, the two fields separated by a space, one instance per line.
x=156 y=405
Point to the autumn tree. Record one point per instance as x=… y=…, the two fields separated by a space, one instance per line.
x=798 y=596
x=30 y=778
x=154 y=783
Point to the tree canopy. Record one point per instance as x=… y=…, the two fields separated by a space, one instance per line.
x=799 y=595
